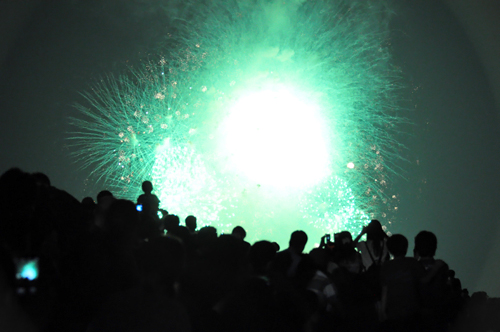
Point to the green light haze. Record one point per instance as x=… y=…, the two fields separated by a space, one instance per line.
x=270 y=115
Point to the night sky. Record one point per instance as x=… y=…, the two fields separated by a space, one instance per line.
x=52 y=50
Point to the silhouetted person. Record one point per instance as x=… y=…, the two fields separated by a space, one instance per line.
x=261 y=254
x=150 y=202
x=239 y=232
x=88 y=201
x=298 y=241
x=288 y=260
x=191 y=223
x=400 y=280
x=104 y=199
x=345 y=255
x=374 y=249
x=374 y=253
x=456 y=293
x=455 y=283
x=208 y=232
x=434 y=288
x=124 y=274
x=171 y=222
x=205 y=239
x=101 y=196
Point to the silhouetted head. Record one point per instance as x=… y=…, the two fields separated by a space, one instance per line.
x=191 y=223
x=171 y=221
x=88 y=204
x=425 y=244
x=208 y=231
x=239 y=232
x=147 y=187
x=319 y=257
x=261 y=254
x=88 y=201
x=374 y=231
x=101 y=196
x=207 y=236
x=397 y=245
x=298 y=241
x=479 y=298
x=41 y=179
x=343 y=238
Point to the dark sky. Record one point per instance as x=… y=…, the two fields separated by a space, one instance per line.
x=51 y=50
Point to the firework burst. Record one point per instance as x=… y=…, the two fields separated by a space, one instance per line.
x=268 y=114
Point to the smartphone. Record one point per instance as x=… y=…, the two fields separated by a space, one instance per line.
x=327 y=237
x=27 y=274
x=26 y=268
x=138 y=207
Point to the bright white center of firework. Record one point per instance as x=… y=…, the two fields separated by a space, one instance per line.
x=275 y=138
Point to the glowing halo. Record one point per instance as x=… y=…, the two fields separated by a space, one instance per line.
x=267 y=106
x=277 y=139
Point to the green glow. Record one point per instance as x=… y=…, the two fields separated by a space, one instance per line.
x=273 y=115
x=276 y=139
x=28 y=269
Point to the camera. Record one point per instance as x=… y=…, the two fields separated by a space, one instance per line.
x=26 y=268
x=27 y=273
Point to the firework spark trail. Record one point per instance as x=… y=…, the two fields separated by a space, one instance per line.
x=333 y=54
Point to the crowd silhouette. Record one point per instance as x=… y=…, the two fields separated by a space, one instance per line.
x=118 y=265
